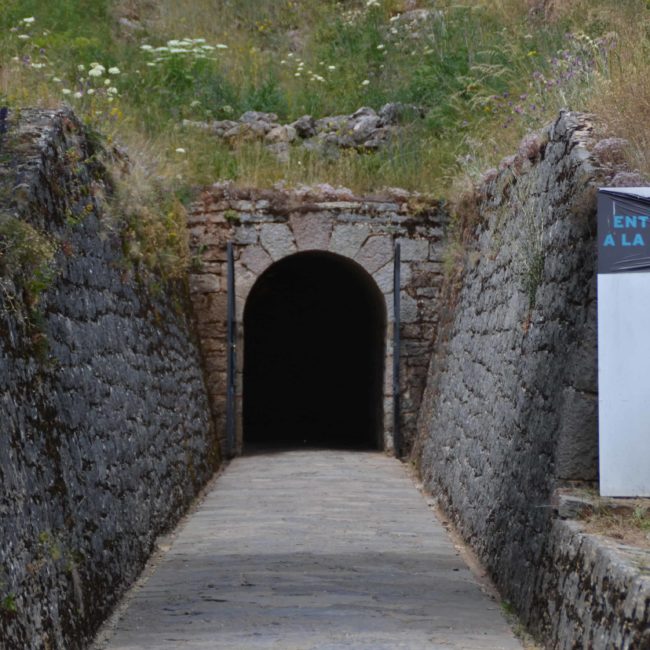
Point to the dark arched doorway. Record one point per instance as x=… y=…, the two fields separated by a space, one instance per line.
x=314 y=328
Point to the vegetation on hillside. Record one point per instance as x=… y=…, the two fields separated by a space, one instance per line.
x=484 y=71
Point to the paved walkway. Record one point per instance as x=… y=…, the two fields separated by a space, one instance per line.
x=313 y=550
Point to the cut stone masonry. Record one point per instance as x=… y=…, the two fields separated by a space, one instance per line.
x=267 y=226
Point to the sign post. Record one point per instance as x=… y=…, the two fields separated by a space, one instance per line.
x=624 y=341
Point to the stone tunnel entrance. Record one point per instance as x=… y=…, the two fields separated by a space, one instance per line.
x=314 y=327
x=306 y=300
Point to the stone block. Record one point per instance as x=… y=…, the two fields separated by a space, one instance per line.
x=408 y=309
x=246 y=235
x=348 y=238
x=205 y=283
x=375 y=253
x=256 y=259
x=576 y=456
x=277 y=239
x=312 y=230
x=414 y=250
x=385 y=280
x=244 y=280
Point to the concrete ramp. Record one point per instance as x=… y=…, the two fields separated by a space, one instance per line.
x=311 y=550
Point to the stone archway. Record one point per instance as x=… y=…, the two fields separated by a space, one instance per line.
x=314 y=338
x=267 y=226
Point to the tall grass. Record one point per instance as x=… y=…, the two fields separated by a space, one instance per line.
x=485 y=71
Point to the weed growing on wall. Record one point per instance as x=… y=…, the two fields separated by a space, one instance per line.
x=529 y=254
x=26 y=259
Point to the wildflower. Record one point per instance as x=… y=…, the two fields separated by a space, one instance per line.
x=28 y=21
x=56 y=80
x=381 y=46
x=221 y=46
x=90 y=91
x=77 y=95
x=66 y=91
x=297 y=74
x=107 y=82
x=114 y=70
x=81 y=67
x=112 y=91
x=146 y=47
x=331 y=67
x=180 y=150
x=23 y=37
x=95 y=72
x=365 y=82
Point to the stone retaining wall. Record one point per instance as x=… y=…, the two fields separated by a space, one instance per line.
x=593 y=592
x=105 y=431
x=267 y=226
x=510 y=407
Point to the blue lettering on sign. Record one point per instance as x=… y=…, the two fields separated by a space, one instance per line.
x=628 y=221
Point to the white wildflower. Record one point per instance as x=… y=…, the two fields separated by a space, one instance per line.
x=381 y=46
x=81 y=67
x=90 y=91
x=365 y=82
x=331 y=67
x=78 y=95
x=112 y=90
x=28 y=21
x=114 y=70
x=66 y=91
x=56 y=80
x=107 y=82
x=23 y=37
x=95 y=72
x=180 y=150
x=221 y=46
x=146 y=47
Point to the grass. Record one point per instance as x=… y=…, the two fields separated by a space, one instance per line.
x=627 y=522
x=484 y=71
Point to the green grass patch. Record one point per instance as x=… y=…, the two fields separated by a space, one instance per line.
x=483 y=73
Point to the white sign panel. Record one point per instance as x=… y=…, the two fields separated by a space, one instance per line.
x=624 y=341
